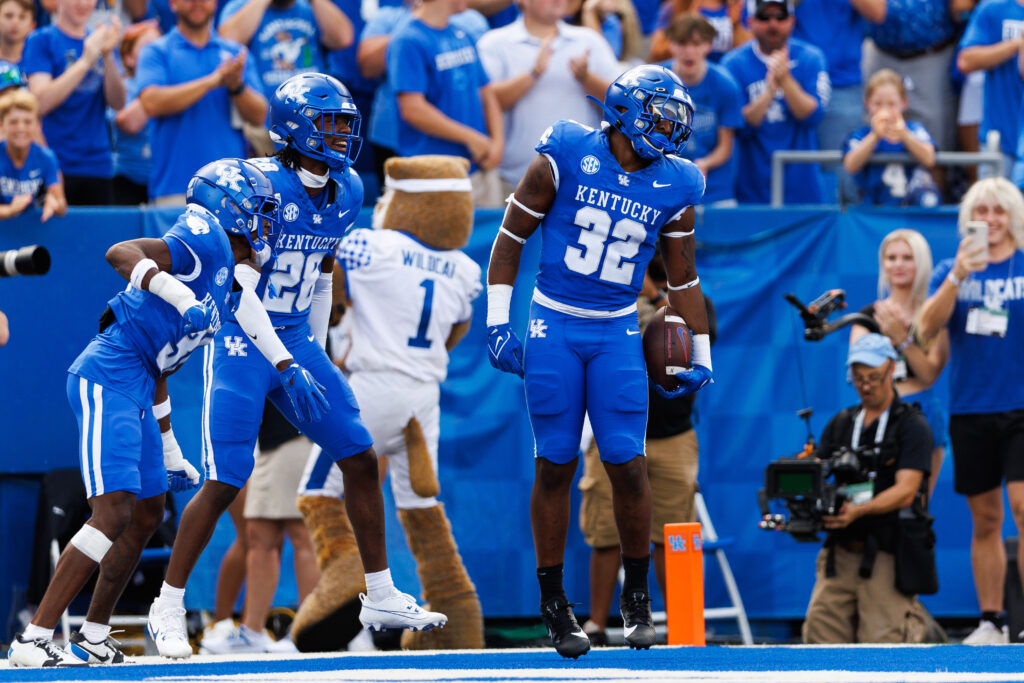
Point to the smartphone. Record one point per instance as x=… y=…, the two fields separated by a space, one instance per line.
x=978 y=232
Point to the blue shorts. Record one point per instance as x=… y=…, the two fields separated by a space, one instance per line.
x=936 y=414
x=119 y=444
x=576 y=366
x=238 y=379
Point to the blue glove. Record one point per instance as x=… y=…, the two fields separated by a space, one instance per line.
x=689 y=381
x=306 y=394
x=505 y=351
x=197 y=318
x=181 y=475
x=179 y=481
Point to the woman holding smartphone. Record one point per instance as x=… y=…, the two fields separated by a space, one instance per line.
x=979 y=300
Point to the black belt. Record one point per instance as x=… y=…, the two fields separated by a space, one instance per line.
x=913 y=54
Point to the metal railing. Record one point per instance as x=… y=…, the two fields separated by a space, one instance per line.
x=991 y=156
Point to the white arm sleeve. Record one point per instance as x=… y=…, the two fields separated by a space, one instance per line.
x=320 y=308
x=172 y=291
x=253 y=318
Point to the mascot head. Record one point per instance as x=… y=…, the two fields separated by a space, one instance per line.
x=429 y=197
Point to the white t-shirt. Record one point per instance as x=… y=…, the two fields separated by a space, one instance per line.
x=406 y=297
x=510 y=51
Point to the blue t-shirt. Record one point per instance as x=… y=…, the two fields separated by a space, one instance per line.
x=150 y=328
x=599 y=234
x=202 y=133
x=384 y=117
x=38 y=173
x=994 y=21
x=286 y=43
x=133 y=157
x=442 y=64
x=779 y=129
x=717 y=104
x=985 y=371
x=888 y=184
x=835 y=28
x=911 y=25
x=310 y=231
x=342 y=64
x=76 y=129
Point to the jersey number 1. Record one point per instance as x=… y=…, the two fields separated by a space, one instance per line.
x=597 y=224
x=420 y=341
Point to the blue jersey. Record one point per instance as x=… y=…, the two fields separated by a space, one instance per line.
x=442 y=65
x=888 y=184
x=779 y=129
x=837 y=29
x=600 y=232
x=994 y=21
x=716 y=104
x=310 y=231
x=152 y=330
x=37 y=173
x=132 y=153
x=76 y=128
x=286 y=43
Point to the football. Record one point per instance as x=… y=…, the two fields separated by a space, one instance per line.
x=668 y=348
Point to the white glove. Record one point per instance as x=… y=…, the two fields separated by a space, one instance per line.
x=181 y=475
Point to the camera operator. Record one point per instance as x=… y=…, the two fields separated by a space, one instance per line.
x=855 y=597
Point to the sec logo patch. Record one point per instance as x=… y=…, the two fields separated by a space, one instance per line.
x=590 y=165
x=221 y=277
x=291 y=212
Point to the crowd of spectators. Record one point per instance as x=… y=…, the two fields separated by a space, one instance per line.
x=134 y=95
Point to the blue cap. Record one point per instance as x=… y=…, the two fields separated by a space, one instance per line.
x=871 y=349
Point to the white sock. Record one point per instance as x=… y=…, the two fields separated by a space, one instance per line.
x=33 y=632
x=94 y=633
x=379 y=585
x=171 y=596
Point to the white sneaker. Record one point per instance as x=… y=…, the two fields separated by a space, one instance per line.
x=241 y=640
x=397 y=611
x=988 y=633
x=285 y=645
x=40 y=652
x=363 y=642
x=104 y=652
x=218 y=630
x=166 y=626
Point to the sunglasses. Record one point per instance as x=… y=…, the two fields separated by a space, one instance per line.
x=772 y=16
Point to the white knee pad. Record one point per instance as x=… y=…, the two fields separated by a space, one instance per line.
x=92 y=542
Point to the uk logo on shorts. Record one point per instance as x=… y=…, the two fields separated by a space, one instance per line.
x=291 y=212
x=221 y=277
x=590 y=165
x=235 y=346
x=538 y=328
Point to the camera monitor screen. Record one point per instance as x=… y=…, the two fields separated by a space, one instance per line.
x=794 y=482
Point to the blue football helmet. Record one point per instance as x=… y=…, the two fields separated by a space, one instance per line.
x=309 y=106
x=646 y=95
x=242 y=199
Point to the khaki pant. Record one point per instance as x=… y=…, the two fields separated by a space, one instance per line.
x=849 y=609
x=672 y=470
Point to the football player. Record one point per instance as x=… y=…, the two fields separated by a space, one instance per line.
x=180 y=289
x=316 y=125
x=601 y=199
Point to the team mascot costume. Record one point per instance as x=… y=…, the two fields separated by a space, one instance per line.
x=442 y=219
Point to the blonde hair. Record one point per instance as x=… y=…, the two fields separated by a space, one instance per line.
x=885 y=77
x=18 y=98
x=998 y=191
x=922 y=254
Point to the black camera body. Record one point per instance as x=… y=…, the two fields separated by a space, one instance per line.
x=811 y=488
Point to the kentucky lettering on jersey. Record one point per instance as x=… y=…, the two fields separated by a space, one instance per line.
x=600 y=232
x=310 y=232
x=454 y=58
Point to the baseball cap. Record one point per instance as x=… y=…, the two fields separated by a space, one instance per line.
x=871 y=349
x=754 y=5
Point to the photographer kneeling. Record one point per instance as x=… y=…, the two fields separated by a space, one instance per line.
x=855 y=597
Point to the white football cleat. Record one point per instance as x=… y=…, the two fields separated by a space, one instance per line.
x=104 y=652
x=988 y=633
x=241 y=640
x=166 y=626
x=39 y=653
x=398 y=611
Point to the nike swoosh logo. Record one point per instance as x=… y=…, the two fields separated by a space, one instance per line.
x=627 y=632
x=581 y=634
x=657 y=184
x=341 y=214
x=311 y=337
x=632 y=332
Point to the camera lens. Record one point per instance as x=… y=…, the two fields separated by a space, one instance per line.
x=30 y=260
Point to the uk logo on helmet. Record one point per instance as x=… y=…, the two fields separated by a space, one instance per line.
x=230 y=176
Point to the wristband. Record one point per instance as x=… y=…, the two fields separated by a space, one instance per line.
x=954 y=280
x=162 y=410
x=237 y=91
x=905 y=344
x=533 y=72
x=702 y=350
x=499 y=300
x=173 y=292
x=140 y=270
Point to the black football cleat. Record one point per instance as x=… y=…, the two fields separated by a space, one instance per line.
x=566 y=635
x=637 y=625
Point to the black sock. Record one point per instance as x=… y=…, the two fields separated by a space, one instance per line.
x=636 y=573
x=550 y=580
x=996 y=618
